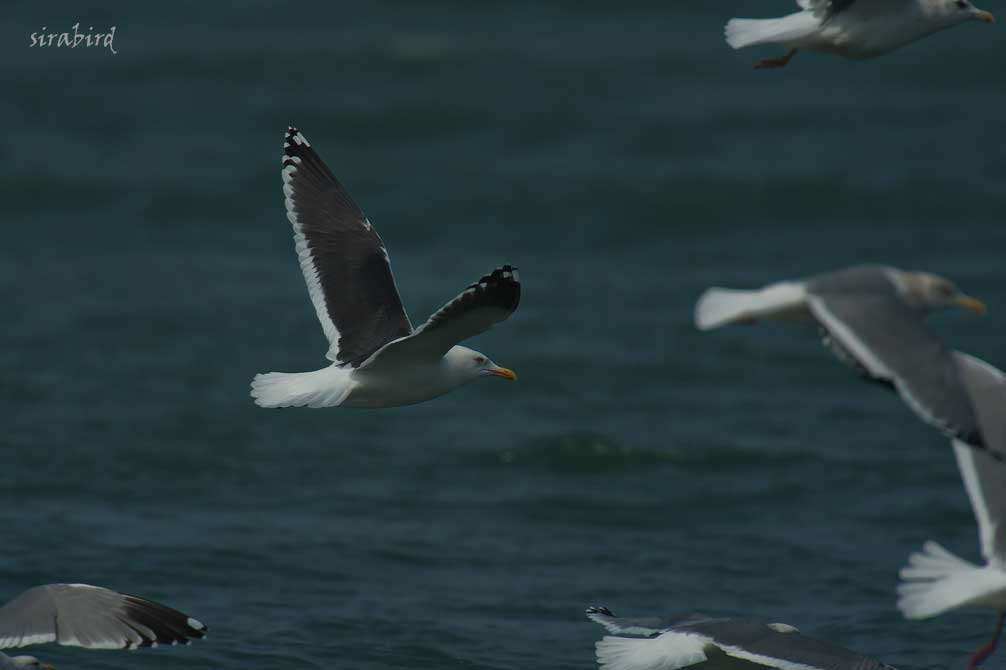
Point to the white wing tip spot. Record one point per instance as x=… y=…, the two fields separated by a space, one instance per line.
x=783 y=628
x=195 y=623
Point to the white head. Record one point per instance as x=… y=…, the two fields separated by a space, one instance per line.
x=952 y=12
x=469 y=364
x=928 y=292
x=30 y=663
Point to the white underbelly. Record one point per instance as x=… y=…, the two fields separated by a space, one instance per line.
x=397 y=388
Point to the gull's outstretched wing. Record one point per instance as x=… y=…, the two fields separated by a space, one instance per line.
x=777 y=646
x=646 y=626
x=344 y=261
x=984 y=472
x=488 y=301
x=90 y=616
x=690 y=639
x=888 y=341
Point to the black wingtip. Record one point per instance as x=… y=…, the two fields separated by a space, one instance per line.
x=168 y=625
x=600 y=610
x=504 y=284
x=293 y=140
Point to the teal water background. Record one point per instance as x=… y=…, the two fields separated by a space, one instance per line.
x=624 y=158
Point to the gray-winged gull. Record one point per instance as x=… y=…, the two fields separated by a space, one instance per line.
x=81 y=615
x=685 y=640
x=935 y=580
x=852 y=28
x=378 y=359
x=872 y=318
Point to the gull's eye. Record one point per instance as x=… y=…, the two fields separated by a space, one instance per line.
x=480 y=360
x=962 y=4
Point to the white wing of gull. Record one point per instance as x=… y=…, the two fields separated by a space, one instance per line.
x=90 y=616
x=984 y=477
x=344 y=260
x=935 y=580
x=690 y=639
x=493 y=298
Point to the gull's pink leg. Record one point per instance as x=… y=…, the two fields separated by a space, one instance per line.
x=775 y=62
x=986 y=650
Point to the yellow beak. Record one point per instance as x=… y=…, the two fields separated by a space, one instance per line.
x=46 y=666
x=987 y=17
x=505 y=373
x=972 y=304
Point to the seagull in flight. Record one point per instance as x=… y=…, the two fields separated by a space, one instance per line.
x=378 y=358
x=852 y=28
x=872 y=317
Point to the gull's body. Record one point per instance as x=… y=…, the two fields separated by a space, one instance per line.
x=81 y=615
x=936 y=581
x=716 y=643
x=378 y=359
x=872 y=318
x=852 y=28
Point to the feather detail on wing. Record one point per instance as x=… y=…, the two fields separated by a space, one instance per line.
x=488 y=301
x=344 y=261
x=888 y=341
x=90 y=616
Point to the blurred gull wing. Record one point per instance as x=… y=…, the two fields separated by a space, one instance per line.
x=93 y=617
x=984 y=472
x=888 y=341
x=646 y=626
x=777 y=646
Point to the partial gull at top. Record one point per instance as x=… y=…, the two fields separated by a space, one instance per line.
x=723 y=643
x=872 y=318
x=81 y=615
x=936 y=581
x=851 y=28
x=378 y=359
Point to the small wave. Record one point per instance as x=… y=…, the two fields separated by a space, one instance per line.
x=579 y=452
x=595 y=452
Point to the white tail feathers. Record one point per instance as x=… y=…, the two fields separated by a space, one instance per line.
x=742 y=33
x=670 y=651
x=321 y=388
x=720 y=306
x=935 y=581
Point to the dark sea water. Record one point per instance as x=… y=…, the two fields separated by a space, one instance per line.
x=624 y=158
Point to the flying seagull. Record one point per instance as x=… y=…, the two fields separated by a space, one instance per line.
x=871 y=317
x=80 y=615
x=852 y=28
x=378 y=359
x=727 y=643
x=935 y=580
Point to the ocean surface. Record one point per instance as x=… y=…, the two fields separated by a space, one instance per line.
x=624 y=158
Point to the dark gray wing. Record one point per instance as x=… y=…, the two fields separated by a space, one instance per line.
x=90 y=616
x=766 y=645
x=344 y=261
x=827 y=8
x=888 y=341
x=646 y=626
x=488 y=301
